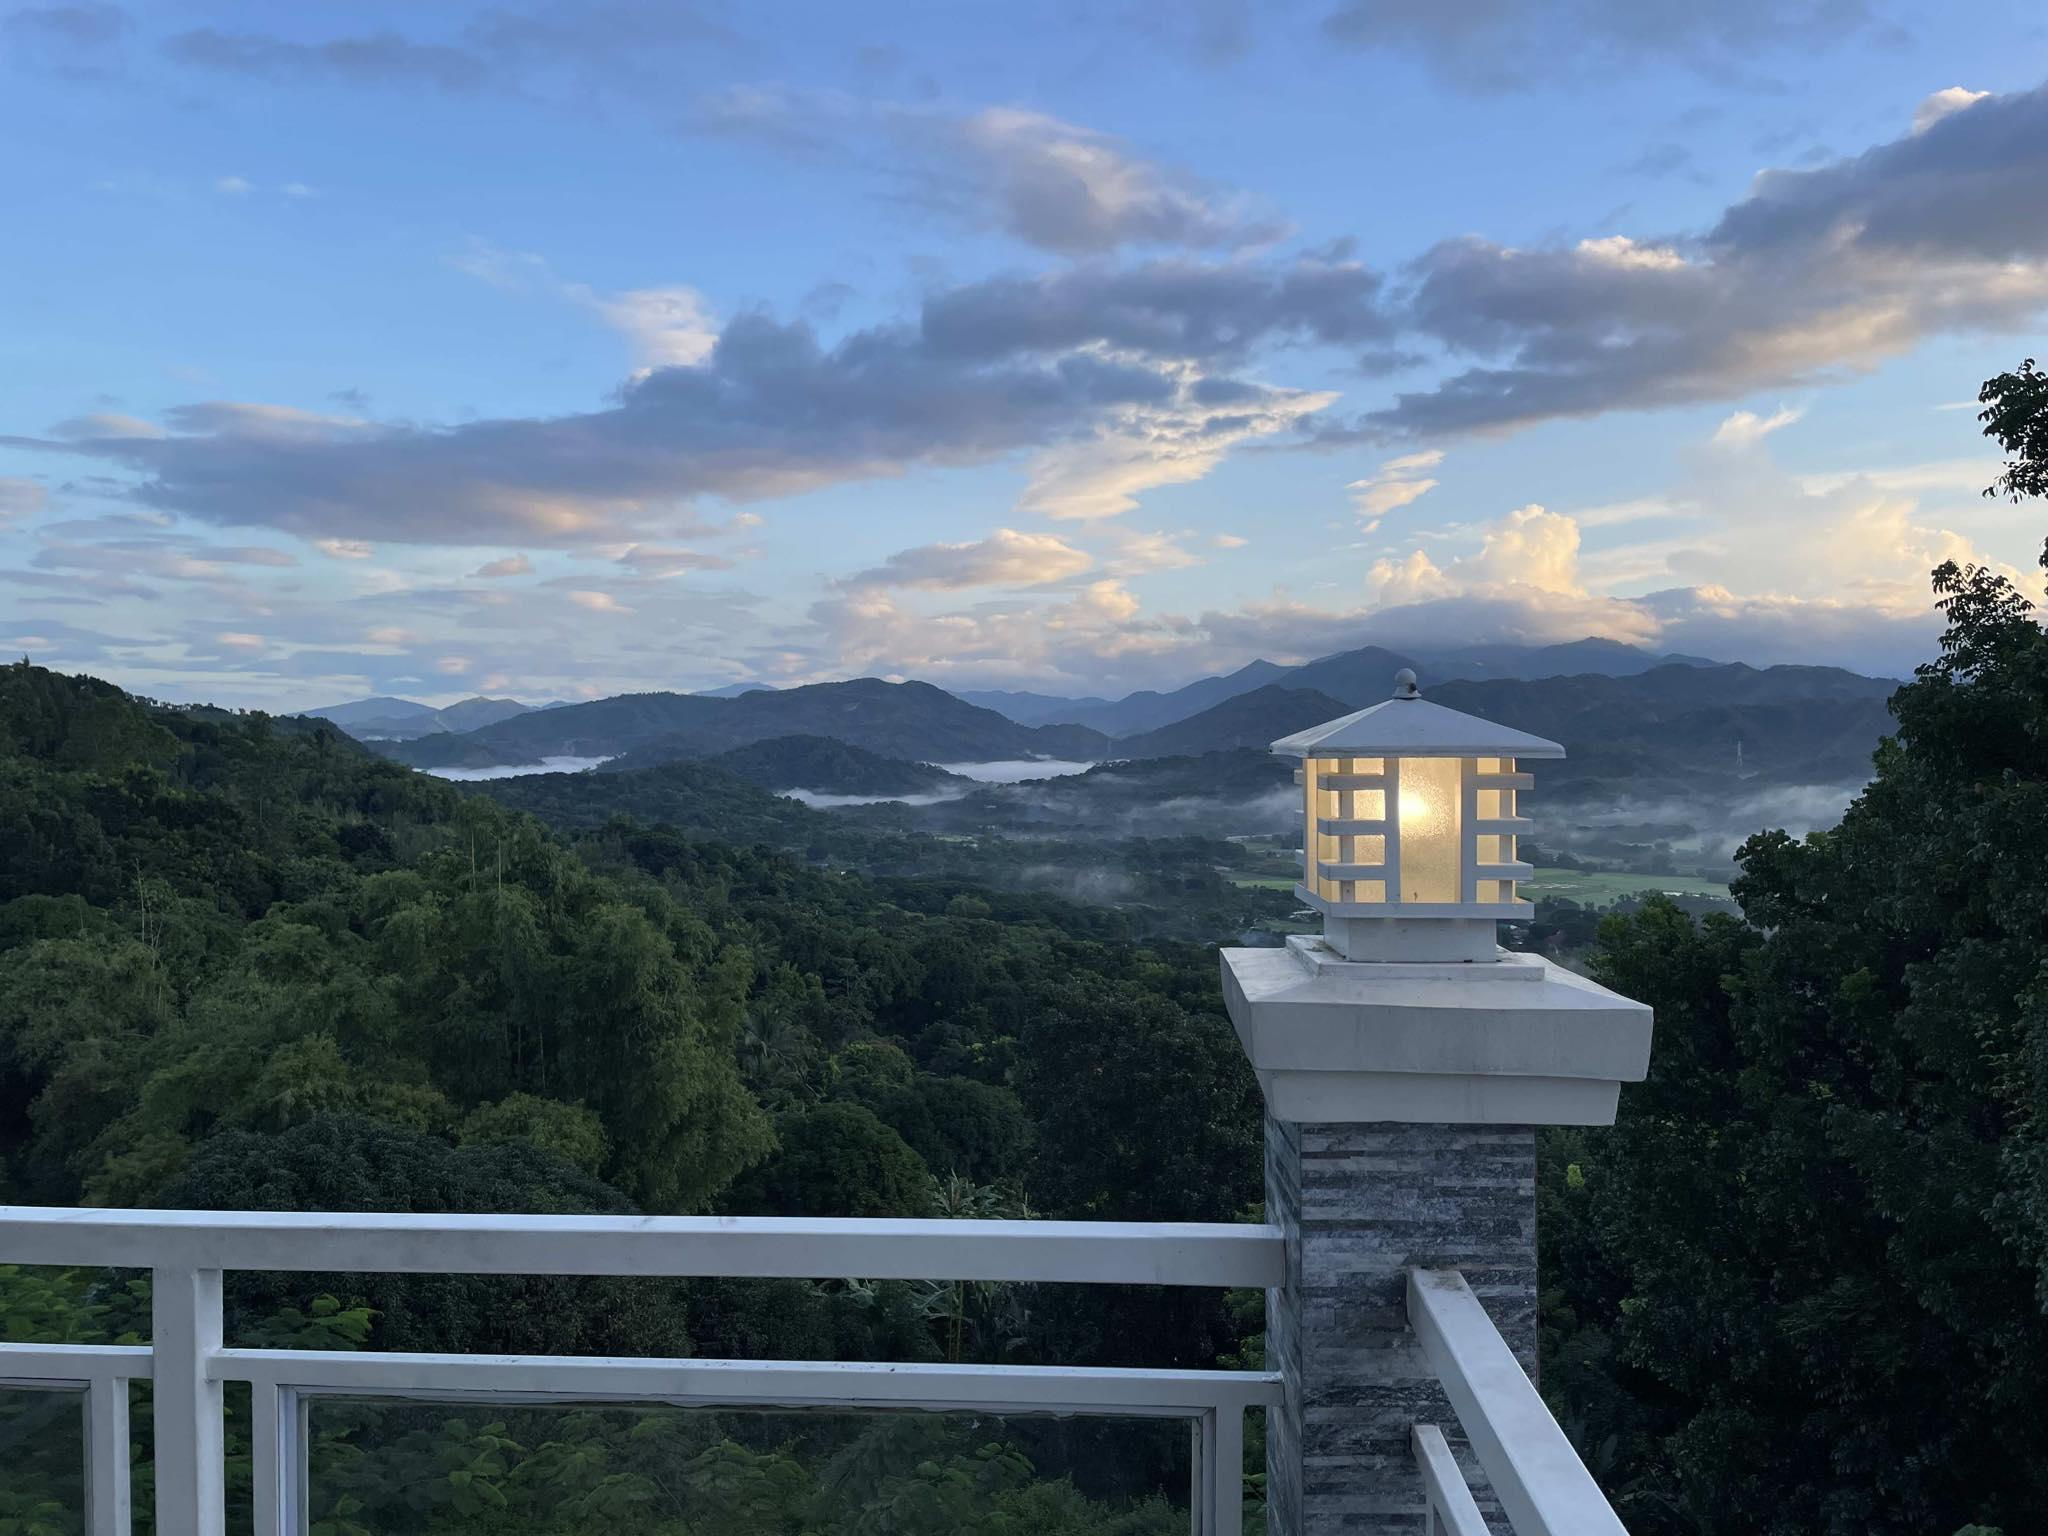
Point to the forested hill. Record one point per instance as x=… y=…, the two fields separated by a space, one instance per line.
x=209 y=928
x=903 y=720
x=1661 y=728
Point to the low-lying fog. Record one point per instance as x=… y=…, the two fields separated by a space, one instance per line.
x=1015 y=770
x=519 y=770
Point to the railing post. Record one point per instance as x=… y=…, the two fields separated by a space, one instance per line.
x=1401 y=1104
x=107 y=1511
x=185 y=1335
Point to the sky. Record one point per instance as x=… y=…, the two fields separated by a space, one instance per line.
x=561 y=350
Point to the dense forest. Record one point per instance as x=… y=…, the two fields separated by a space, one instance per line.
x=249 y=967
x=1797 y=1290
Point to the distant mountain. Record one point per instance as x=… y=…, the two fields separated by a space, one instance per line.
x=1254 y=719
x=1031 y=708
x=827 y=767
x=386 y=719
x=735 y=690
x=907 y=721
x=1148 y=710
x=383 y=707
x=1608 y=658
x=1656 y=732
x=1365 y=674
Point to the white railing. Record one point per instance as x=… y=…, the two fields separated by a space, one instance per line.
x=1543 y=1487
x=187 y=1251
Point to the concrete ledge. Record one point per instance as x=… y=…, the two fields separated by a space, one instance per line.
x=1518 y=1041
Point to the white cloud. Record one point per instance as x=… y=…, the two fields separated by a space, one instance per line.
x=344 y=549
x=1140 y=448
x=1006 y=558
x=1746 y=427
x=668 y=326
x=236 y=640
x=233 y=186
x=453 y=666
x=598 y=602
x=509 y=565
x=1134 y=554
x=1229 y=541
x=1396 y=484
x=20 y=496
x=1942 y=104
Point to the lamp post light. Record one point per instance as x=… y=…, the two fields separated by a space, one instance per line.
x=1405 y=1060
x=1408 y=841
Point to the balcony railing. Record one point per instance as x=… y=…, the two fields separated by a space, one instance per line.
x=1538 y=1479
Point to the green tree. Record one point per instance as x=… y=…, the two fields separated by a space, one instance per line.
x=835 y=1160
x=1802 y=1281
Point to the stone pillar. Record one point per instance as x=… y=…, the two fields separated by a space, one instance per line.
x=1401 y=1103
x=1361 y=1204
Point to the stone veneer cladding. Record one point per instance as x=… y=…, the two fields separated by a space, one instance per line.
x=1360 y=1204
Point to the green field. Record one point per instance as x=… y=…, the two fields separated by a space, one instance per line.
x=1596 y=888
x=1266 y=882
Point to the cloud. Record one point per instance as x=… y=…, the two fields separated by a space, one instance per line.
x=1048 y=183
x=508 y=565
x=1813 y=274
x=1135 y=554
x=669 y=326
x=1207 y=311
x=238 y=641
x=20 y=496
x=344 y=549
x=1746 y=427
x=1396 y=484
x=598 y=602
x=1068 y=189
x=1006 y=558
x=375 y=58
x=233 y=186
x=71 y=26
x=1501 y=45
x=1118 y=392
x=454 y=666
x=1941 y=104
x=656 y=562
x=1229 y=541
x=105 y=424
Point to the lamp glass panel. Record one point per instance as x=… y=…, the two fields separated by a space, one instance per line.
x=1430 y=811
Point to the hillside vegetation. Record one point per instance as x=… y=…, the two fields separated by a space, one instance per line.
x=241 y=967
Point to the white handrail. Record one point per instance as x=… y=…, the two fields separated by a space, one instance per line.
x=188 y=1251
x=1212 y=1254
x=1542 y=1485
x=1448 y=1506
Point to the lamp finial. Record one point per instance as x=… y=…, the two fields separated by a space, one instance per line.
x=1404 y=684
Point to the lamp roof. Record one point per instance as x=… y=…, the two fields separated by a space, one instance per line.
x=1408 y=725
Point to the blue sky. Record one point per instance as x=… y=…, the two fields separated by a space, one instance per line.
x=572 y=349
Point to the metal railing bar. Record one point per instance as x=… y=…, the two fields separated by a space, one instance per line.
x=736 y=1383
x=108 y=1496
x=1215 y=1254
x=1450 y=1505
x=46 y=1365
x=1542 y=1485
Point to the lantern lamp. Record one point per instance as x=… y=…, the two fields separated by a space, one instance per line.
x=1410 y=819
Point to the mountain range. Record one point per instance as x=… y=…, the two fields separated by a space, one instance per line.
x=389 y=719
x=1364 y=672
x=1637 y=728
x=909 y=721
